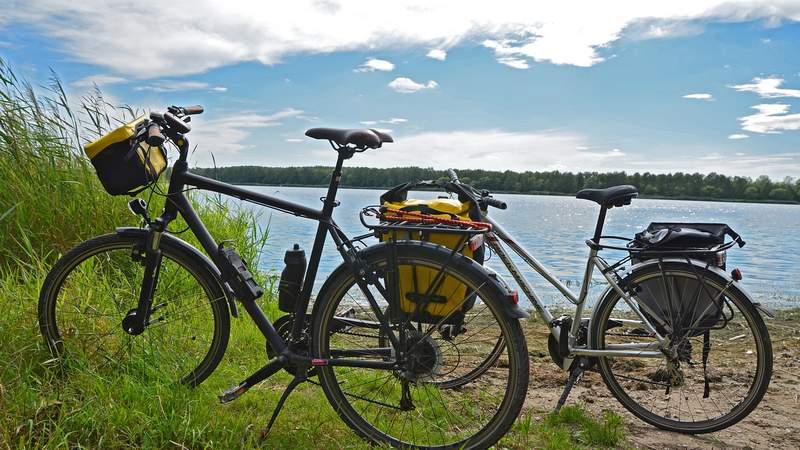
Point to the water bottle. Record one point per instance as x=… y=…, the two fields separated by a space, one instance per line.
x=291 y=279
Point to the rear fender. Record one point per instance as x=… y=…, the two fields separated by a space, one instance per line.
x=723 y=277
x=170 y=240
x=377 y=251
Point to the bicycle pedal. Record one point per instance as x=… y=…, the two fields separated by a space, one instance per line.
x=232 y=394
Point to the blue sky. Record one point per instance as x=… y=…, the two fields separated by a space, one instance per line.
x=636 y=86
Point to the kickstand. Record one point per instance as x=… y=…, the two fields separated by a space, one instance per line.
x=575 y=374
x=296 y=381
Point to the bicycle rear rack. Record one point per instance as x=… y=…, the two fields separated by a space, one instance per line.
x=415 y=222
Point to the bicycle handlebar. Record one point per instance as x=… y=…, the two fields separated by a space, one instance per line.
x=499 y=204
x=453 y=176
x=177 y=124
x=154 y=138
x=482 y=197
x=192 y=110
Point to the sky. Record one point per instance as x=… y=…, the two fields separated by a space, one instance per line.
x=647 y=86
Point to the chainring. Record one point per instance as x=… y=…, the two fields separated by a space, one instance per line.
x=284 y=326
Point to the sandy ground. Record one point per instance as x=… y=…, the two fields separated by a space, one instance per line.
x=774 y=424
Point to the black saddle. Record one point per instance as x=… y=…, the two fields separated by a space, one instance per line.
x=610 y=197
x=359 y=137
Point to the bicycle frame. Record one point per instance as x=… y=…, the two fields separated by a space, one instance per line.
x=651 y=350
x=177 y=203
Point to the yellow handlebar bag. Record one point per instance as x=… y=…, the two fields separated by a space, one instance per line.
x=123 y=165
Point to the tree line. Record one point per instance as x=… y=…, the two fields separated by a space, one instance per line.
x=673 y=185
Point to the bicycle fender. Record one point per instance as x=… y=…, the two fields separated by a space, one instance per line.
x=725 y=277
x=170 y=240
x=371 y=253
x=722 y=276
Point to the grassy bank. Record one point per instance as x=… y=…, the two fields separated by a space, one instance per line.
x=51 y=200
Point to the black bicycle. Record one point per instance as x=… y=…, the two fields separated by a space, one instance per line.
x=146 y=301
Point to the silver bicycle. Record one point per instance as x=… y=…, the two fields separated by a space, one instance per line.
x=678 y=341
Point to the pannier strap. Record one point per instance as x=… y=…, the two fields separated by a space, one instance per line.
x=668 y=234
x=406 y=216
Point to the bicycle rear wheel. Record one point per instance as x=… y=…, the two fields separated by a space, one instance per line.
x=721 y=359
x=412 y=405
x=92 y=288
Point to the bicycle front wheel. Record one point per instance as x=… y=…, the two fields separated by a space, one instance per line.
x=719 y=361
x=92 y=288
x=417 y=404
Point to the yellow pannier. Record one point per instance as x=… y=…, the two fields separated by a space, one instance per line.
x=415 y=281
x=124 y=166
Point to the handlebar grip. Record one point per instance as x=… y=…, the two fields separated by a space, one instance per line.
x=499 y=204
x=177 y=124
x=191 y=110
x=154 y=137
x=453 y=175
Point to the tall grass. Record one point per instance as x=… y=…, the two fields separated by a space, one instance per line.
x=50 y=197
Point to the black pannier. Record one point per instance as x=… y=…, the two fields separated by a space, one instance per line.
x=684 y=299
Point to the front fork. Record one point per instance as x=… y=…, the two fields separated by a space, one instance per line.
x=138 y=319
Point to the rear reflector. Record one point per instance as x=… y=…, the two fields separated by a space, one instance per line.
x=736 y=274
x=476 y=242
x=513 y=296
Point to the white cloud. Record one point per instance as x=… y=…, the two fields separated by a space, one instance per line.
x=408 y=86
x=294 y=140
x=556 y=32
x=516 y=63
x=561 y=150
x=549 y=150
x=371 y=65
x=699 y=96
x=662 y=29
x=99 y=80
x=437 y=54
x=393 y=121
x=737 y=136
x=228 y=135
x=770 y=118
x=768 y=88
x=219 y=89
x=172 y=86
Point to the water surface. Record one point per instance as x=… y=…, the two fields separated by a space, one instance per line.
x=553 y=229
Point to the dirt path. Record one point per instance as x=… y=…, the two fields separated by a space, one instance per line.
x=774 y=424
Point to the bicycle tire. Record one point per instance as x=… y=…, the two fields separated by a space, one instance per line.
x=324 y=313
x=48 y=306
x=763 y=350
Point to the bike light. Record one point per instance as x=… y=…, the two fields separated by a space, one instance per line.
x=736 y=274
x=138 y=206
x=720 y=258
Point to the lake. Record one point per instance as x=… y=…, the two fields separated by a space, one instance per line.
x=553 y=229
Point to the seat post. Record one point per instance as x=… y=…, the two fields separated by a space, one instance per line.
x=598 y=229
x=333 y=187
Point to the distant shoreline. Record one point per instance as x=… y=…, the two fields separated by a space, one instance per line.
x=553 y=194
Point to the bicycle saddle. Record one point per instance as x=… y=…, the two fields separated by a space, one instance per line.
x=359 y=137
x=610 y=197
